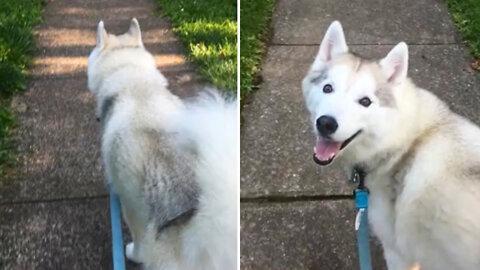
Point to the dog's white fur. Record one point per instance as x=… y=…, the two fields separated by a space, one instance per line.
x=422 y=160
x=164 y=156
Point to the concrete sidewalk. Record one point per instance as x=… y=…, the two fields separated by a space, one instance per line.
x=54 y=211
x=295 y=214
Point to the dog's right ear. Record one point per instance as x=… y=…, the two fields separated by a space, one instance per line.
x=101 y=35
x=395 y=64
x=333 y=44
x=135 y=32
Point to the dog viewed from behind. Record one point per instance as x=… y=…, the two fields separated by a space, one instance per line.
x=422 y=160
x=173 y=163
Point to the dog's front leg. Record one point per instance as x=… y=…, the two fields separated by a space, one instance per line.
x=395 y=261
x=381 y=215
x=137 y=230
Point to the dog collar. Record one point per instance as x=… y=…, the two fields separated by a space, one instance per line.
x=106 y=107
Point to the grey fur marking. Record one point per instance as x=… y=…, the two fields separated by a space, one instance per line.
x=473 y=172
x=178 y=220
x=107 y=107
x=385 y=96
x=170 y=187
x=320 y=75
x=384 y=92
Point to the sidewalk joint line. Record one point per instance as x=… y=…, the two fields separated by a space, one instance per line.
x=289 y=199
x=365 y=44
x=96 y=197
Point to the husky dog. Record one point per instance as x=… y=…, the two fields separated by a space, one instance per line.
x=422 y=160
x=172 y=163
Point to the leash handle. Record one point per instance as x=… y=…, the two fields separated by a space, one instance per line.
x=117 y=238
x=362 y=230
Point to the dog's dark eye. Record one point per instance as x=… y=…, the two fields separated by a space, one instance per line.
x=365 y=102
x=327 y=88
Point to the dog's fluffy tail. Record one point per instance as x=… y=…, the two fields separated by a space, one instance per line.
x=211 y=122
x=210 y=127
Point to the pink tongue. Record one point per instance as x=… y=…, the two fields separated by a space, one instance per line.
x=324 y=150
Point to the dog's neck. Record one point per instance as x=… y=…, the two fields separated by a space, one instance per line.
x=420 y=124
x=394 y=159
x=387 y=170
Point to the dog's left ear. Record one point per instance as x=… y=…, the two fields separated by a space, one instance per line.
x=395 y=64
x=333 y=44
x=135 y=32
x=102 y=35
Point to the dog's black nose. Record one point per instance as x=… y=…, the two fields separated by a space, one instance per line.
x=326 y=125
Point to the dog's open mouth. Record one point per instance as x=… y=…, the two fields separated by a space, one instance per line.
x=326 y=150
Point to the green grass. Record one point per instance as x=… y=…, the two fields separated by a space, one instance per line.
x=17 y=18
x=254 y=18
x=466 y=14
x=208 y=29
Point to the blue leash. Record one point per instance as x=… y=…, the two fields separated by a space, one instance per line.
x=361 y=221
x=117 y=238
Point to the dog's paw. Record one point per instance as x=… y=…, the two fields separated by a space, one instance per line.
x=131 y=253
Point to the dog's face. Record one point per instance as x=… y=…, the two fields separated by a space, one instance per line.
x=351 y=100
x=106 y=44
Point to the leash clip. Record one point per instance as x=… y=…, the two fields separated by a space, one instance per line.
x=358 y=177
x=355 y=176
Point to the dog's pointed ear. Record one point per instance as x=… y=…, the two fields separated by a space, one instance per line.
x=395 y=64
x=333 y=43
x=102 y=35
x=135 y=32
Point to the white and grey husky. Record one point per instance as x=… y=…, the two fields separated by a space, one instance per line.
x=174 y=164
x=422 y=160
